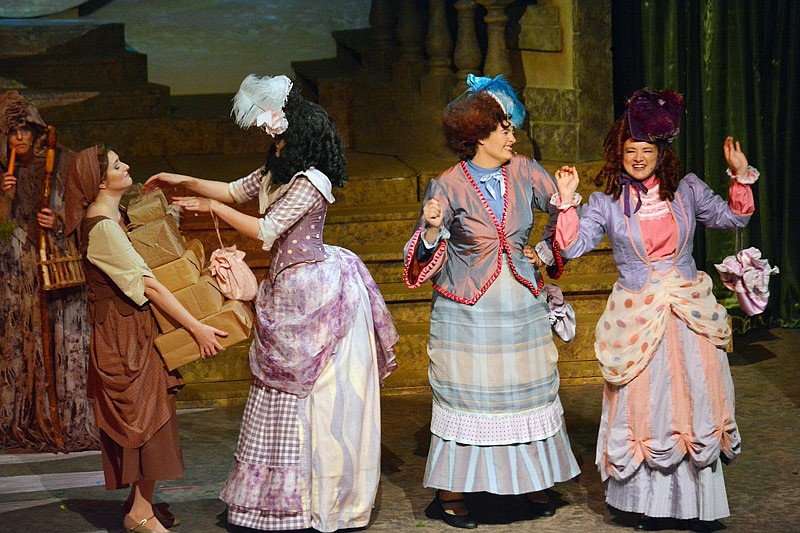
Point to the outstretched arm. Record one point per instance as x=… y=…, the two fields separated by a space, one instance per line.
x=216 y=190
x=245 y=224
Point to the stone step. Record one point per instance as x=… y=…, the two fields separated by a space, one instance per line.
x=353 y=44
x=143 y=101
x=59 y=37
x=576 y=359
x=99 y=70
x=406 y=310
x=164 y=137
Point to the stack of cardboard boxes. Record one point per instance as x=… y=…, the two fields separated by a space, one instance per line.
x=180 y=266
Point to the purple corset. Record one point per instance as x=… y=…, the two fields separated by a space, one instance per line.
x=302 y=243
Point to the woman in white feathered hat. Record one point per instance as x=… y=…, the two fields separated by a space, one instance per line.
x=309 y=447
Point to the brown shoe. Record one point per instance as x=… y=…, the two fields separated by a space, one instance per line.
x=160 y=511
x=134 y=526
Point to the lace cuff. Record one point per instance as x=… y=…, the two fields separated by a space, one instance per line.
x=556 y=201
x=749 y=179
x=545 y=253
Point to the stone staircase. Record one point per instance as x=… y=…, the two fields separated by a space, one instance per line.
x=373 y=216
x=104 y=96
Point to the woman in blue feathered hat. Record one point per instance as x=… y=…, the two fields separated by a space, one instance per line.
x=497 y=423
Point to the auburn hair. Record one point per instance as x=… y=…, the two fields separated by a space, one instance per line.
x=668 y=169
x=469 y=119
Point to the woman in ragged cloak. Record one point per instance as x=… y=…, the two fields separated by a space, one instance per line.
x=26 y=421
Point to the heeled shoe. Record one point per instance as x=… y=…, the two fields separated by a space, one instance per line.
x=136 y=526
x=436 y=511
x=545 y=509
x=646 y=524
x=160 y=511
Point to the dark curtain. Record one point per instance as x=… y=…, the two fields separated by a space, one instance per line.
x=737 y=64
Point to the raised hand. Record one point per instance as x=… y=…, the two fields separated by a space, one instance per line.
x=9 y=181
x=736 y=159
x=432 y=212
x=567 y=180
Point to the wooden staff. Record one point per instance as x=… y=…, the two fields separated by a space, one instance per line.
x=8 y=197
x=44 y=302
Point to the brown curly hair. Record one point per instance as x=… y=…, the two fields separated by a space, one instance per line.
x=470 y=119
x=669 y=167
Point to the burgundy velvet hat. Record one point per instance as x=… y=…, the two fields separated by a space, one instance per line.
x=655 y=115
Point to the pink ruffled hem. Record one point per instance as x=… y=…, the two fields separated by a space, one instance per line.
x=264 y=488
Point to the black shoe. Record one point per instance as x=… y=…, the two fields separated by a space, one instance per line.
x=436 y=511
x=542 y=508
x=646 y=524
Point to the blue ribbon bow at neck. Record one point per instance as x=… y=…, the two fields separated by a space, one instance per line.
x=627 y=182
x=495 y=184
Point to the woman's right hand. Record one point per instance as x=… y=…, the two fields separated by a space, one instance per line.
x=9 y=181
x=206 y=338
x=164 y=178
x=432 y=212
x=567 y=181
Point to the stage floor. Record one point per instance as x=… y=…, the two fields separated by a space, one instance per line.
x=51 y=493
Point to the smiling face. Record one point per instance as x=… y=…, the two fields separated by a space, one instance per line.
x=639 y=159
x=117 y=178
x=496 y=149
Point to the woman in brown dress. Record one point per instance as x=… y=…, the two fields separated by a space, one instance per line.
x=132 y=391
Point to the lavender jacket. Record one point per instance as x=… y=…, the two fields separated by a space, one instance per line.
x=694 y=202
x=469 y=255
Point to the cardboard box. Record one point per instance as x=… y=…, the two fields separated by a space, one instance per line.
x=185 y=270
x=158 y=242
x=178 y=347
x=201 y=299
x=147 y=208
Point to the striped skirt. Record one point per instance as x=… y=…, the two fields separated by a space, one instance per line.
x=330 y=483
x=662 y=434
x=497 y=423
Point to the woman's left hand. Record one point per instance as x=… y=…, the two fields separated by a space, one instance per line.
x=736 y=159
x=196 y=204
x=530 y=252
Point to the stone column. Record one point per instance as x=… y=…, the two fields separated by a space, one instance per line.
x=410 y=65
x=438 y=82
x=467 y=55
x=381 y=20
x=439 y=41
x=496 y=50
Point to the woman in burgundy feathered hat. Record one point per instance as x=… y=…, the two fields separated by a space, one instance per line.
x=668 y=420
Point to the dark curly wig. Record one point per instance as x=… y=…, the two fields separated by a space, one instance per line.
x=468 y=120
x=311 y=141
x=668 y=170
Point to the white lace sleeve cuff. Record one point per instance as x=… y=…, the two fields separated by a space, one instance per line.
x=749 y=179
x=444 y=234
x=545 y=253
x=556 y=201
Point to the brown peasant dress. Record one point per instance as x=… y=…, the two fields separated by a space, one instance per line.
x=132 y=391
x=26 y=421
